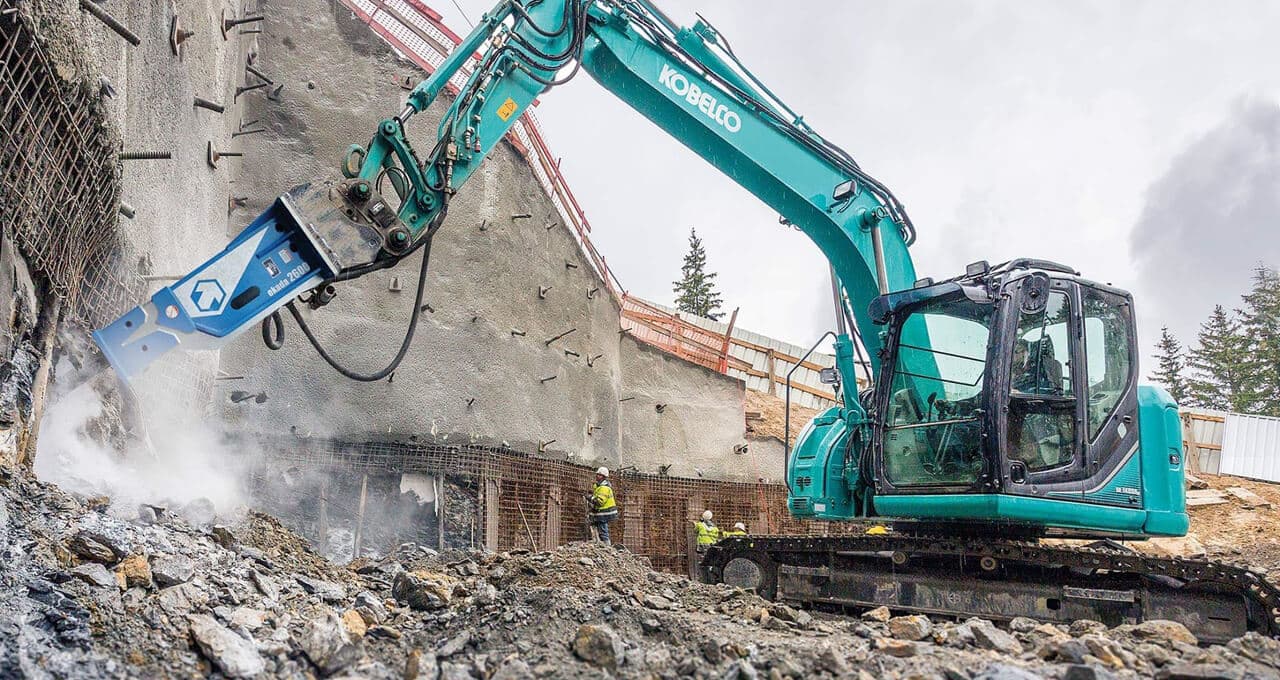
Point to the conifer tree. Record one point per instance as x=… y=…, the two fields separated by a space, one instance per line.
x=695 y=291
x=1172 y=363
x=1260 y=335
x=1218 y=364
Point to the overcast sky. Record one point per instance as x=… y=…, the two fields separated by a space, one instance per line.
x=1138 y=142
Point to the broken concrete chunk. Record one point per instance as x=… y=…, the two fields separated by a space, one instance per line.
x=988 y=636
x=1248 y=498
x=327 y=644
x=93 y=547
x=325 y=590
x=898 y=648
x=94 y=574
x=354 y=623
x=133 y=572
x=599 y=645
x=423 y=590
x=879 y=614
x=913 y=628
x=248 y=617
x=170 y=570
x=235 y=656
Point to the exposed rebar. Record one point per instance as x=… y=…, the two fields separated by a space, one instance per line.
x=120 y=29
x=144 y=155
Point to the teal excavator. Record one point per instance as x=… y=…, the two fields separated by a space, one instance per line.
x=1004 y=408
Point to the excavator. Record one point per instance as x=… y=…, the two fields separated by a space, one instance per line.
x=1004 y=409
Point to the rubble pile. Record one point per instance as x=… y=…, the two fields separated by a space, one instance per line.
x=91 y=590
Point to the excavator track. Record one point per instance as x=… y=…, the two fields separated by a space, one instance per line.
x=994 y=579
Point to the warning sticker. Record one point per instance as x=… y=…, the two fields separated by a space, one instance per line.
x=508 y=107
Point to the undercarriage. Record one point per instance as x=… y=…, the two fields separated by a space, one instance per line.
x=999 y=580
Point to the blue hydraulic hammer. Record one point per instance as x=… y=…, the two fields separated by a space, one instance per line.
x=309 y=235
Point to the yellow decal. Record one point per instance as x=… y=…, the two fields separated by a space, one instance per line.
x=508 y=107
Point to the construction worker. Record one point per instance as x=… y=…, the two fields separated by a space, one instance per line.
x=739 y=529
x=604 y=509
x=708 y=532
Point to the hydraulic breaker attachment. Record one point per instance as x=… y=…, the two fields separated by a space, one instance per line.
x=310 y=234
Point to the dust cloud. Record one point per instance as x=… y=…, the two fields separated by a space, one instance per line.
x=187 y=465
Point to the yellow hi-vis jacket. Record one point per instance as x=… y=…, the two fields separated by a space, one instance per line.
x=602 y=501
x=708 y=533
x=730 y=533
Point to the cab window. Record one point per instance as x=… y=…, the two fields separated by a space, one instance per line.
x=1042 y=405
x=1108 y=354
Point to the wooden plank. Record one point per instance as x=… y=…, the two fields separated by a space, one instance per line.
x=1195 y=483
x=1248 y=498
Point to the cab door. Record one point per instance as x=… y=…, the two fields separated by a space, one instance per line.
x=1041 y=434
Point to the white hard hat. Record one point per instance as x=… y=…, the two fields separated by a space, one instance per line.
x=603 y=471
x=706 y=515
x=740 y=526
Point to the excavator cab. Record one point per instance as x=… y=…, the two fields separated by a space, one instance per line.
x=1006 y=396
x=1023 y=408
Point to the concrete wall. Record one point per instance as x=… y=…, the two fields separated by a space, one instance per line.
x=180 y=204
x=339 y=81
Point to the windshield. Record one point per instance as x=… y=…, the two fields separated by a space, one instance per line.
x=932 y=430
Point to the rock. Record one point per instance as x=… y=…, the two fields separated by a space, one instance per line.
x=1022 y=624
x=999 y=671
x=200 y=512
x=182 y=598
x=1082 y=672
x=265 y=585
x=133 y=572
x=1047 y=631
x=147 y=514
x=650 y=625
x=327 y=644
x=222 y=536
x=1107 y=651
x=597 y=644
x=1200 y=672
x=1085 y=626
x=656 y=601
x=1257 y=647
x=1158 y=630
x=742 y=670
x=248 y=617
x=235 y=656
x=788 y=668
x=371 y=609
x=989 y=637
x=354 y=623
x=785 y=613
x=712 y=651
x=1070 y=650
x=512 y=669
x=170 y=570
x=94 y=574
x=879 y=614
x=327 y=591
x=98 y=503
x=832 y=661
x=456 y=671
x=455 y=644
x=914 y=627
x=423 y=590
x=418 y=665
x=94 y=548
x=894 y=647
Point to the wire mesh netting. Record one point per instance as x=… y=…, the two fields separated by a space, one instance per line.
x=525 y=502
x=59 y=177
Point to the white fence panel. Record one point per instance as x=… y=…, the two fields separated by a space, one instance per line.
x=1251 y=447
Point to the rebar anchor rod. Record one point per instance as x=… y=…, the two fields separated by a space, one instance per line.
x=120 y=29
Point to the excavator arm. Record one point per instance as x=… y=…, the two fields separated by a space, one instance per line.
x=686 y=80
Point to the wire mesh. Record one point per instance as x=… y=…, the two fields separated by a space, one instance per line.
x=59 y=177
x=525 y=502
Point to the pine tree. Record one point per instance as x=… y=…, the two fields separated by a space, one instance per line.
x=1172 y=362
x=1218 y=364
x=695 y=291
x=1260 y=330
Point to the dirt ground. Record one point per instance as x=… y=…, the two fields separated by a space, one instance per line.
x=1238 y=534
